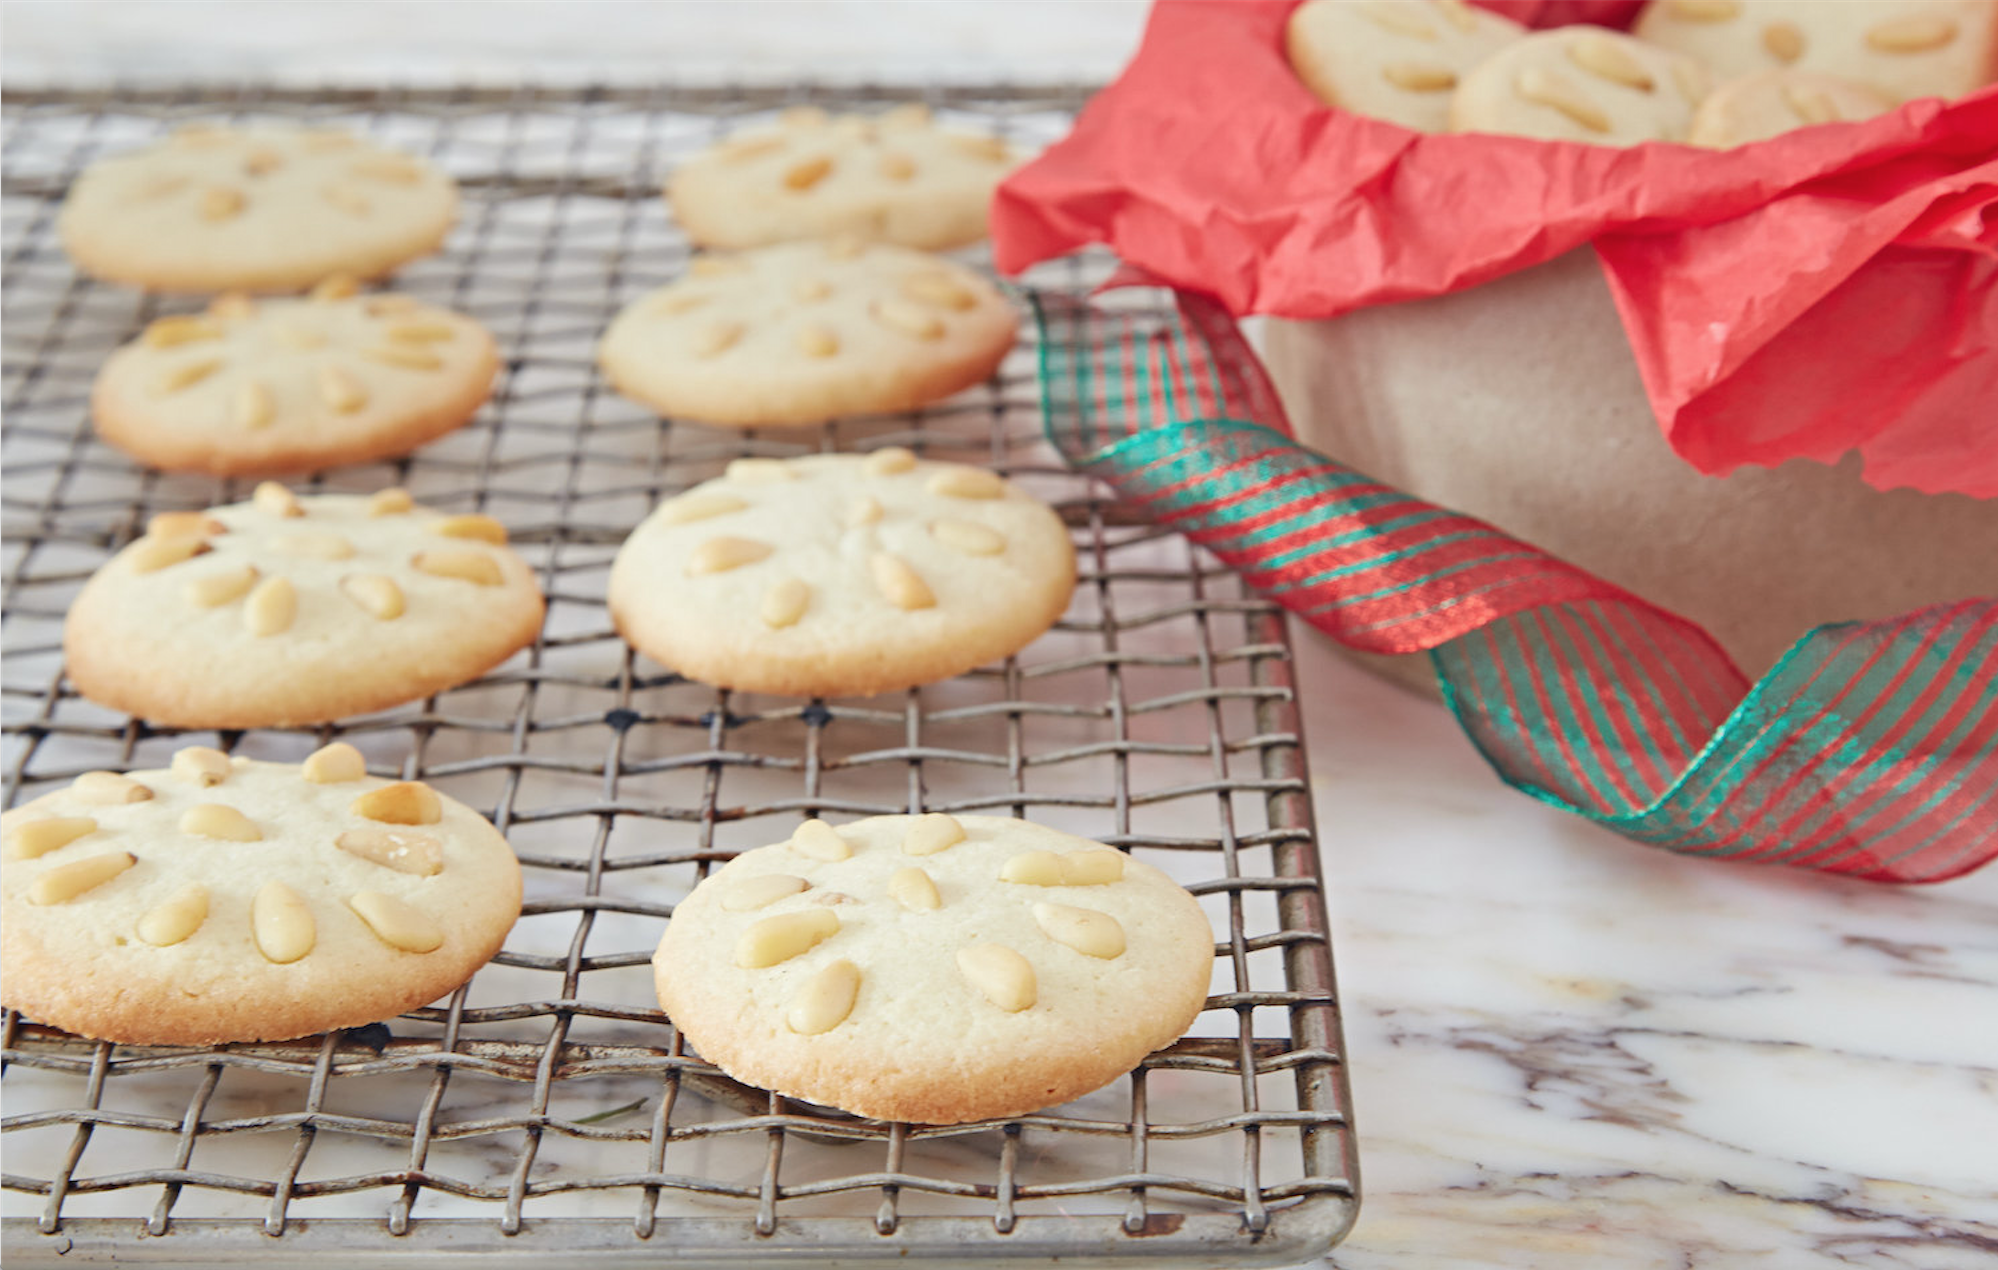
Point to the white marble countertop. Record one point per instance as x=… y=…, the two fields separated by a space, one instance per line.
x=1567 y=1051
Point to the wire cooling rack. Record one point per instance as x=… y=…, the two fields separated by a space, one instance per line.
x=549 y=1108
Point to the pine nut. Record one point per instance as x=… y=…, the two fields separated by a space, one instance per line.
x=253 y=407
x=761 y=891
x=150 y=554
x=889 y=460
x=271 y=607
x=895 y=167
x=714 y=266
x=1001 y=975
x=783 y=936
x=720 y=554
x=939 y=289
x=1402 y=21
x=262 y=161
x=403 y=803
x=273 y=499
x=181 y=524
x=845 y=247
x=376 y=594
x=394 y=169
x=159 y=187
x=820 y=841
x=421 y=333
x=171 y=332
x=186 y=375
x=1032 y=868
x=200 y=766
x=340 y=390
x=389 y=305
x=232 y=306
x=1543 y=87
x=866 y=510
x=1419 y=77
x=334 y=764
x=281 y=924
x=405 y=358
x=914 y=890
x=784 y=603
x=466 y=566
x=802 y=117
x=393 y=501
x=1087 y=931
x=1690 y=79
x=1912 y=35
x=483 y=528
x=167 y=924
x=989 y=149
x=1096 y=867
x=759 y=471
x=107 y=789
x=322 y=140
x=1604 y=58
x=219 y=203
x=910 y=114
x=315 y=546
x=337 y=286
x=299 y=339
x=907 y=318
x=403 y=850
x=1704 y=10
x=1784 y=41
x=899 y=584
x=395 y=923
x=806 y=173
x=967 y=482
x=214 y=820
x=692 y=507
x=968 y=537
x=347 y=199
x=716 y=338
x=223 y=587
x=1458 y=14
x=39 y=837
x=1811 y=105
x=931 y=833
x=825 y=1000
x=817 y=341
x=747 y=148
x=67 y=881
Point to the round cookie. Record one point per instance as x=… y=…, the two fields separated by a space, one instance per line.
x=841 y=575
x=800 y=333
x=287 y=610
x=1396 y=60
x=229 y=900
x=255 y=387
x=1757 y=107
x=1904 y=48
x=257 y=209
x=891 y=178
x=933 y=969
x=1581 y=83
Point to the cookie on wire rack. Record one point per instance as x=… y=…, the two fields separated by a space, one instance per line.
x=894 y=177
x=797 y=334
x=215 y=208
x=937 y=969
x=224 y=899
x=841 y=574
x=286 y=610
x=255 y=387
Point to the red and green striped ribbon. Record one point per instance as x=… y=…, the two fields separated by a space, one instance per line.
x=1870 y=750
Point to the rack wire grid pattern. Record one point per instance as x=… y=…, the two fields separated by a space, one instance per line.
x=548 y=1107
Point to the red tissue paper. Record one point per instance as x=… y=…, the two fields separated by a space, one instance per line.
x=1828 y=290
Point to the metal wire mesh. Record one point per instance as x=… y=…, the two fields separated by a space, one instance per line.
x=548 y=1106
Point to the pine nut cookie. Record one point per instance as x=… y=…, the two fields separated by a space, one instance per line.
x=215 y=208
x=891 y=178
x=255 y=387
x=1396 y=60
x=936 y=969
x=841 y=574
x=1581 y=83
x=1757 y=107
x=286 y=610
x=800 y=333
x=229 y=900
x=1904 y=48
